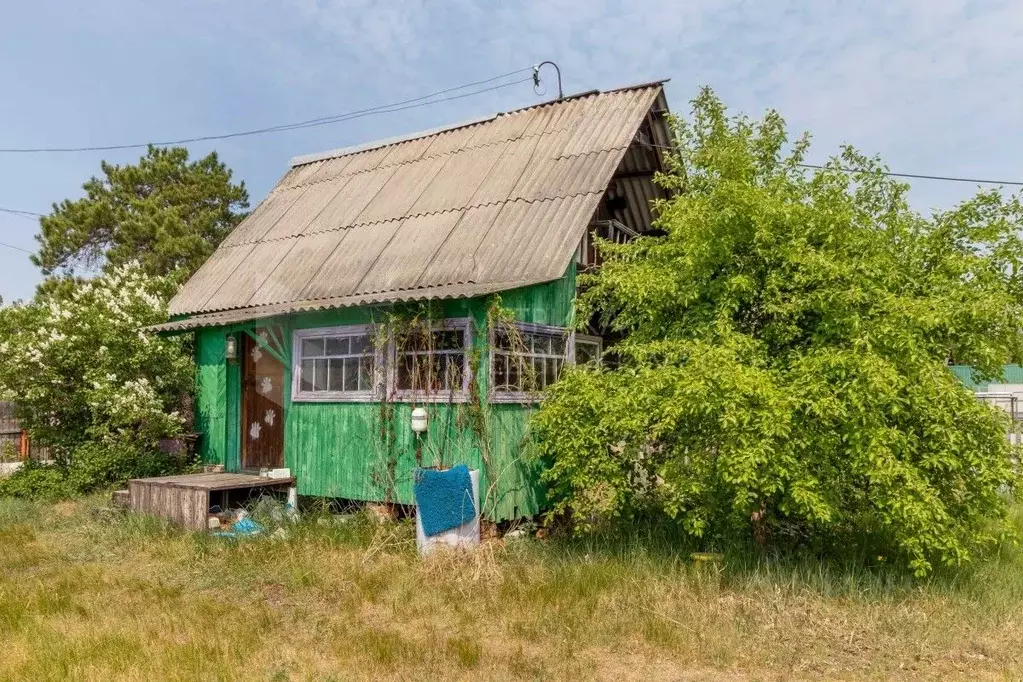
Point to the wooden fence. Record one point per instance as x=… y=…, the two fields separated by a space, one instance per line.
x=14 y=441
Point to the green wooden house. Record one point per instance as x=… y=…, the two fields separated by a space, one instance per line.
x=436 y=271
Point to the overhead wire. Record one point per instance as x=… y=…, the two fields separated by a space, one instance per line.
x=18 y=248
x=30 y=215
x=403 y=105
x=916 y=176
x=412 y=103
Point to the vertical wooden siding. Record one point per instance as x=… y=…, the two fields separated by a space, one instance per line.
x=551 y=303
x=211 y=407
x=367 y=451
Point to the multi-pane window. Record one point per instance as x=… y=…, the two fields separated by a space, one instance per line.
x=431 y=362
x=334 y=363
x=526 y=360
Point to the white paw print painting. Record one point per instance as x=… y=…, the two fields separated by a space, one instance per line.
x=266 y=385
x=254 y=431
x=256 y=353
x=269 y=417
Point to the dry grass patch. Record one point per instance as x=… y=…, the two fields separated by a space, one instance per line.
x=88 y=597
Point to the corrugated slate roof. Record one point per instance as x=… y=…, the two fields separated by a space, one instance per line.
x=469 y=210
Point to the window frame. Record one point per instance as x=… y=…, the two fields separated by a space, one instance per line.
x=300 y=396
x=589 y=338
x=393 y=393
x=496 y=396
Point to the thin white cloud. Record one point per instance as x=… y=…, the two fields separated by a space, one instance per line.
x=931 y=85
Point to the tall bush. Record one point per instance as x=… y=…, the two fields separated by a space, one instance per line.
x=82 y=372
x=784 y=362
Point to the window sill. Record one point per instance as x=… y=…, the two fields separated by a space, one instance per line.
x=515 y=398
x=335 y=398
x=434 y=399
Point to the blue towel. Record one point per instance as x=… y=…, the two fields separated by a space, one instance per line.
x=247 y=526
x=444 y=498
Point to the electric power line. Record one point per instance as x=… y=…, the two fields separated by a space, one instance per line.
x=30 y=215
x=917 y=176
x=3 y=243
x=423 y=100
x=415 y=102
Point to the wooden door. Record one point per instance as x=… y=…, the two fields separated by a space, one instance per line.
x=262 y=406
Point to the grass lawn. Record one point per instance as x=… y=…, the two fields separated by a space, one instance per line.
x=87 y=596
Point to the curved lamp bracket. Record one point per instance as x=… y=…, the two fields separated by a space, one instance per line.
x=536 y=77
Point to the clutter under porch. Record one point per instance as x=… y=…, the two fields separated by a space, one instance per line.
x=188 y=499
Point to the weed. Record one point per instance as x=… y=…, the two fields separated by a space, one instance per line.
x=90 y=596
x=466 y=651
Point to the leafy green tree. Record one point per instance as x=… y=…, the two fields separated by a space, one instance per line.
x=784 y=369
x=85 y=376
x=165 y=213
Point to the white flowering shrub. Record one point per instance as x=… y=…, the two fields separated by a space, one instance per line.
x=84 y=376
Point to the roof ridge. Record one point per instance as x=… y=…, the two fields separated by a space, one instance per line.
x=306 y=159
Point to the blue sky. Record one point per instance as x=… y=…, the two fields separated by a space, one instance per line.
x=931 y=86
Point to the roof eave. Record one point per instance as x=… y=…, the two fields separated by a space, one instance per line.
x=233 y=316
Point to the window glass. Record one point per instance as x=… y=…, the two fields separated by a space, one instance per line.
x=527 y=360
x=335 y=374
x=336 y=345
x=360 y=344
x=587 y=349
x=312 y=348
x=431 y=362
x=336 y=363
x=344 y=362
x=306 y=379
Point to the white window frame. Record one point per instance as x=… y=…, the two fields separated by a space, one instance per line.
x=463 y=324
x=300 y=396
x=530 y=328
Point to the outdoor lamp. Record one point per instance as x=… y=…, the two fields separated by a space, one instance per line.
x=231 y=349
x=419 y=420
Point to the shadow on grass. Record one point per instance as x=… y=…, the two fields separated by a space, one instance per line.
x=849 y=567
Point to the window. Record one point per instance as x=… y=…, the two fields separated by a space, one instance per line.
x=431 y=363
x=587 y=349
x=526 y=359
x=338 y=363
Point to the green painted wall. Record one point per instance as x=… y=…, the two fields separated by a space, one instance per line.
x=1011 y=374
x=211 y=405
x=367 y=451
x=551 y=303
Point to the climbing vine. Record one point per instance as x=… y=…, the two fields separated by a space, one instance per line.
x=424 y=368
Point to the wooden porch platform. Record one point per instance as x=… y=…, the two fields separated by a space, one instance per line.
x=186 y=499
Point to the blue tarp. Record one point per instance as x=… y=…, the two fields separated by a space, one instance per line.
x=241 y=528
x=444 y=498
